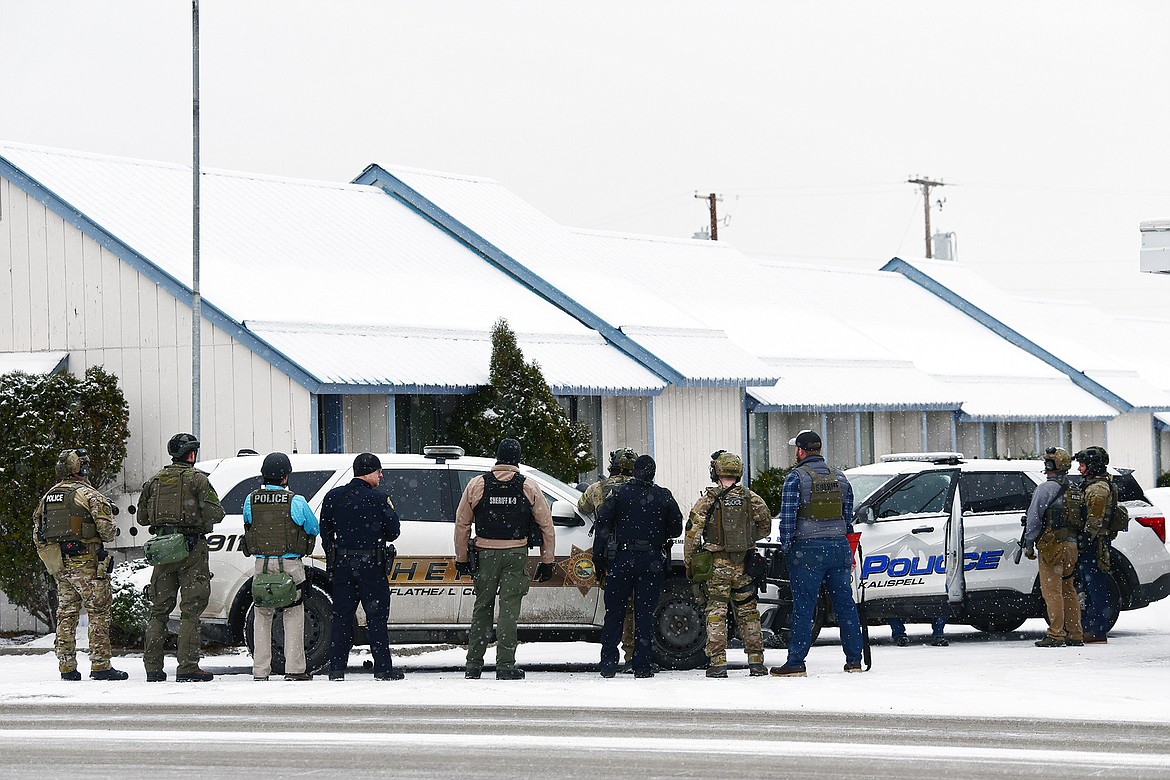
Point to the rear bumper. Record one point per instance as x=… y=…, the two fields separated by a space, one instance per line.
x=1148 y=594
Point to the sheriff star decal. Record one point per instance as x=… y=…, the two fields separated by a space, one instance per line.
x=578 y=570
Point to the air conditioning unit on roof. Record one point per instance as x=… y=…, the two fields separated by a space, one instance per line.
x=1155 y=257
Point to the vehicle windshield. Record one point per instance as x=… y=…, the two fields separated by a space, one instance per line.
x=569 y=492
x=865 y=485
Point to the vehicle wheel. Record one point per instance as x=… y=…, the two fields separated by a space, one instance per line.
x=318 y=619
x=782 y=624
x=1114 y=610
x=996 y=624
x=680 y=628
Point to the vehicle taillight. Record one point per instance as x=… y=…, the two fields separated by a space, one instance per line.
x=1155 y=524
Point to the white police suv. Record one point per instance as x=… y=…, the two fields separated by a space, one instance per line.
x=902 y=507
x=428 y=603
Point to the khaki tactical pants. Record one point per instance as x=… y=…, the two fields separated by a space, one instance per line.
x=1057 y=561
x=294 y=624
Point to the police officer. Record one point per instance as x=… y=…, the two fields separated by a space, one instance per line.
x=728 y=520
x=357 y=523
x=1094 y=562
x=502 y=505
x=279 y=528
x=621 y=468
x=1054 y=520
x=179 y=499
x=639 y=519
x=816 y=507
x=69 y=525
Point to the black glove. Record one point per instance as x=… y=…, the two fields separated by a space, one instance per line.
x=544 y=572
x=462 y=568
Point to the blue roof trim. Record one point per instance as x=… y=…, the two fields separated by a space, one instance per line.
x=375 y=175
x=337 y=388
x=973 y=418
x=56 y=204
x=1012 y=336
x=760 y=407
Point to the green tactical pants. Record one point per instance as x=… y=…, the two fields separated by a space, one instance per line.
x=189 y=582
x=503 y=572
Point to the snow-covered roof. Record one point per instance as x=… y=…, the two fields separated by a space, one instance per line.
x=859 y=385
x=279 y=249
x=437 y=360
x=33 y=362
x=1006 y=399
x=1076 y=338
x=642 y=289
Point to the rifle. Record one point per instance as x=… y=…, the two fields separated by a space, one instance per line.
x=1020 y=544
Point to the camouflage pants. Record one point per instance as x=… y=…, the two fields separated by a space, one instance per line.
x=79 y=585
x=192 y=578
x=729 y=583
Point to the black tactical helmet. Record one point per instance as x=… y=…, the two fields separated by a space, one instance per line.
x=181 y=445
x=622 y=461
x=1095 y=459
x=275 y=468
x=72 y=463
x=1057 y=460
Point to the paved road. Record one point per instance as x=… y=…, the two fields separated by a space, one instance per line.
x=42 y=740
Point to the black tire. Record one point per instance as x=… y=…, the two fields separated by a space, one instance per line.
x=1114 y=610
x=680 y=628
x=996 y=624
x=782 y=623
x=318 y=620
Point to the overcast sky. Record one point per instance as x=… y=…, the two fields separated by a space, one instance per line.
x=1049 y=121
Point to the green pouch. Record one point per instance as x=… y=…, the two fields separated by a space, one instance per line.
x=167 y=548
x=702 y=565
x=273 y=590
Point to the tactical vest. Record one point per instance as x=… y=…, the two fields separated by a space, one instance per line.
x=170 y=503
x=272 y=530
x=504 y=512
x=64 y=521
x=1066 y=515
x=822 y=507
x=730 y=525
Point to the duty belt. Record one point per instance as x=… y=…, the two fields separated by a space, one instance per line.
x=174 y=529
x=636 y=547
x=357 y=551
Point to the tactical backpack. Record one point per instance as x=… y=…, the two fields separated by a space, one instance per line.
x=274 y=590
x=166 y=548
x=1117 y=520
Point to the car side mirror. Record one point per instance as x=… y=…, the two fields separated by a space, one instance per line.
x=867 y=516
x=564 y=513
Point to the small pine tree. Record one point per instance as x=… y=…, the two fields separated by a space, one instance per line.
x=769 y=485
x=519 y=404
x=39 y=417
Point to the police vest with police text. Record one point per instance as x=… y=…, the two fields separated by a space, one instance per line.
x=504 y=512
x=731 y=525
x=64 y=521
x=1066 y=515
x=273 y=532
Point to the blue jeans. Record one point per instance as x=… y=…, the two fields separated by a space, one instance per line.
x=812 y=562
x=1095 y=615
x=937 y=624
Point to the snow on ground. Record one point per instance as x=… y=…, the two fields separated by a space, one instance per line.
x=978 y=675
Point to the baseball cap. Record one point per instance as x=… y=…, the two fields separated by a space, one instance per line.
x=806 y=440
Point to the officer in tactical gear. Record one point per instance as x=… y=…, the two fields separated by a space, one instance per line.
x=727 y=521
x=1055 y=518
x=502 y=505
x=279 y=529
x=816 y=509
x=639 y=518
x=621 y=469
x=179 y=500
x=69 y=525
x=357 y=524
x=1093 y=563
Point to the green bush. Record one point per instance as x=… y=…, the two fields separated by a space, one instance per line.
x=130 y=609
x=519 y=404
x=40 y=416
x=1164 y=479
x=769 y=484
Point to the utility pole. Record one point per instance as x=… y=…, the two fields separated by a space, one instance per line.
x=926 y=184
x=712 y=199
x=196 y=298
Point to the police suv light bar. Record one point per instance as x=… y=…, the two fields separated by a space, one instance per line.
x=940 y=458
x=442 y=451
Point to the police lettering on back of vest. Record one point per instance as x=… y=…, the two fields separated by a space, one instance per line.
x=273 y=530
x=504 y=512
x=64 y=520
x=732 y=526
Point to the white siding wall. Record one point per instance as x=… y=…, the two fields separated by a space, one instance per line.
x=625 y=422
x=690 y=424
x=1130 y=442
x=1163 y=452
x=67 y=293
x=897 y=432
x=13 y=618
x=782 y=427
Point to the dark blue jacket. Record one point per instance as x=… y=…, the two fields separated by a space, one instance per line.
x=640 y=511
x=357 y=517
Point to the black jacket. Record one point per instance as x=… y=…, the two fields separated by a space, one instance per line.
x=355 y=516
x=640 y=511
